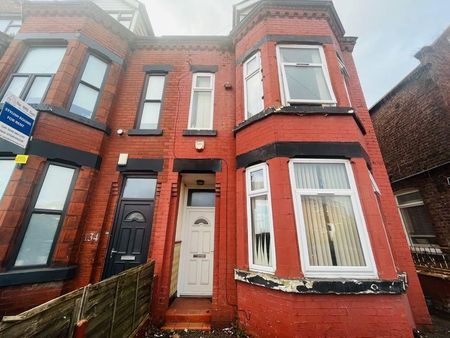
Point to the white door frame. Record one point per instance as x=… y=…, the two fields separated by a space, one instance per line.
x=182 y=271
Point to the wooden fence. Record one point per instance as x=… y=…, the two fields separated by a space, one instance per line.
x=115 y=307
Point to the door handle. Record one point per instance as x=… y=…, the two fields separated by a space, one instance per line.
x=112 y=253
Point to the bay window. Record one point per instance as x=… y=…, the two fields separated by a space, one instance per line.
x=304 y=76
x=7 y=166
x=332 y=234
x=202 y=102
x=33 y=77
x=415 y=218
x=151 y=103
x=86 y=96
x=46 y=216
x=253 y=86
x=259 y=216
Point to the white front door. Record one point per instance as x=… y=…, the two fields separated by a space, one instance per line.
x=197 y=252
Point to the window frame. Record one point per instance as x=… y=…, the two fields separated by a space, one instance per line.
x=7 y=158
x=408 y=205
x=345 y=75
x=261 y=192
x=31 y=210
x=200 y=89
x=10 y=24
x=31 y=76
x=284 y=88
x=121 y=19
x=80 y=81
x=246 y=77
x=144 y=100
x=368 y=271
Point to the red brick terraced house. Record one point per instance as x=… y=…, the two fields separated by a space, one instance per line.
x=245 y=165
x=412 y=123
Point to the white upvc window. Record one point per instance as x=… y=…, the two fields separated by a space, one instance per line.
x=304 y=76
x=202 y=102
x=345 y=75
x=261 y=241
x=415 y=218
x=331 y=230
x=7 y=166
x=253 y=86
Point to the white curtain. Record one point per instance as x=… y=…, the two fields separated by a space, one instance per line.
x=261 y=231
x=201 y=110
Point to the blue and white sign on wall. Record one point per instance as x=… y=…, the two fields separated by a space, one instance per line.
x=16 y=121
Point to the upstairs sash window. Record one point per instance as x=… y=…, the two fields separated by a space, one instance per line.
x=333 y=238
x=259 y=217
x=202 y=101
x=304 y=75
x=152 y=101
x=33 y=77
x=253 y=86
x=10 y=26
x=88 y=91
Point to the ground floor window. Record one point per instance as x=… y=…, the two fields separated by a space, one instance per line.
x=416 y=219
x=46 y=216
x=332 y=234
x=259 y=216
x=6 y=168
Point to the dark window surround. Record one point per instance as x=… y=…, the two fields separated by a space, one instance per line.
x=324 y=286
x=345 y=150
x=197 y=165
x=79 y=81
x=142 y=165
x=38 y=275
x=23 y=228
x=145 y=132
x=143 y=100
x=204 y=68
x=194 y=132
x=31 y=77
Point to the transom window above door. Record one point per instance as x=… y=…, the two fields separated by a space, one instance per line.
x=304 y=76
x=33 y=77
x=139 y=188
x=201 y=198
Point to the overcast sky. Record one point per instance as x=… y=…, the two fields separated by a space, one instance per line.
x=390 y=31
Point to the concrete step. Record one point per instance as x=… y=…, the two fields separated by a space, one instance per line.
x=195 y=326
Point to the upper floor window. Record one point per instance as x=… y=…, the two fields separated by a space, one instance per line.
x=7 y=166
x=46 y=216
x=31 y=80
x=304 y=75
x=151 y=102
x=333 y=238
x=259 y=217
x=253 y=86
x=415 y=218
x=345 y=75
x=86 y=96
x=202 y=101
x=124 y=18
x=10 y=26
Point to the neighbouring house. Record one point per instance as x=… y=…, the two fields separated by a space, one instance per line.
x=245 y=165
x=412 y=123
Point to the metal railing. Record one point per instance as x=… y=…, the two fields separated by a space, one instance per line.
x=431 y=258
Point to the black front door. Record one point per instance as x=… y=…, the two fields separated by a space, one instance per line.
x=132 y=228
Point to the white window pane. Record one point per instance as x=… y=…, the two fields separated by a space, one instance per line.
x=125 y=22
x=16 y=86
x=155 y=87
x=321 y=176
x=150 y=115
x=45 y=60
x=16 y=22
x=201 y=110
x=307 y=83
x=331 y=231
x=114 y=15
x=84 y=101
x=38 y=89
x=55 y=188
x=143 y=188
x=298 y=55
x=254 y=95
x=38 y=240
x=3 y=24
x=252 y=65
x=257 y=180
x=203 y=198
x=13 y=30
x=6 y=169
x=94 y=72
x=261 y=231
x=203 y=82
